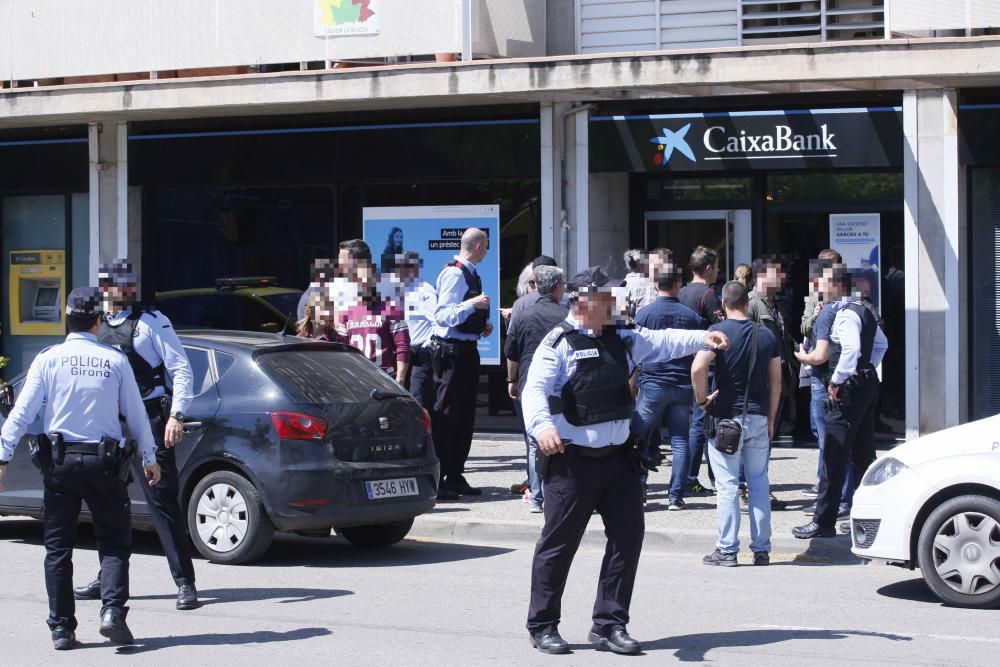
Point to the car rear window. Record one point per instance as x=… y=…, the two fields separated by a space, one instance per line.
x=326 y=376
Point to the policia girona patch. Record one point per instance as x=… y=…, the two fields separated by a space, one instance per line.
x=82 y=366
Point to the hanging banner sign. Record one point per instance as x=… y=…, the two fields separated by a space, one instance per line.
x=333 y=18
x=742 y=140
x=856 y=237
x=435 y=232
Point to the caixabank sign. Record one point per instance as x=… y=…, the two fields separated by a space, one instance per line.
x=741 y=140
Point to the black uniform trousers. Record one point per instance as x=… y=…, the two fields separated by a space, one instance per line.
x=83 y=477
x=574 y=487
x=456 y=406
x=850 y=435
x=421 y=384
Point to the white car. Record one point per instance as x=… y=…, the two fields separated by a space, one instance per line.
x=934 y=503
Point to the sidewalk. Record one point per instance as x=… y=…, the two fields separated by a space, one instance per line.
x=500 y=518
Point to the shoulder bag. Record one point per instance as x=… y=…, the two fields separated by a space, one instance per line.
x=729 y=432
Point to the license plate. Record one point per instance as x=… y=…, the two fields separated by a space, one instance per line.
x=391 y=488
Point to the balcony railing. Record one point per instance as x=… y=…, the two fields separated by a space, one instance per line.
x=49 y=41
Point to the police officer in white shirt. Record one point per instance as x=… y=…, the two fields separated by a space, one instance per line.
x=79 y=388
x=578 y=405
x=164 y=377
x=419 y=302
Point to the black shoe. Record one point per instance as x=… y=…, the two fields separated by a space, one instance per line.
x=63 y=639
x=843 y=512
x=777 y=504
x=187 y=597
x=720 y=558
x=617 y=640
x=550 y=643
x=91 y=591
x=813 y=529
x=811 y=491
x=458 y=484
x=113 y=627
x=761 y=558
x=444 y=493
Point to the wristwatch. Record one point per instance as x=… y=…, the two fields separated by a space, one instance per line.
x=179 y=416
x=3 y=463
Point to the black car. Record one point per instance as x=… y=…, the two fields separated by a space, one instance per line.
x=283 y=434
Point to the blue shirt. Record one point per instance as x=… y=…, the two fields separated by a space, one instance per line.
x=554 y=364
x=667 y=312
x=419 y=301
x=79 y=388
x=451 y=310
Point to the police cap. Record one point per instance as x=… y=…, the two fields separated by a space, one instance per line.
x=543 y=260
x=84 y=301
x=593 y=276
x=118 y=271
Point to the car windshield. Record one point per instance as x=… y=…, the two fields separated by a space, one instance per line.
x=286 y=303
x=327 y=376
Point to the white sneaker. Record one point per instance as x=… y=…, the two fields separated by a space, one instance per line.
x=526 y=497
x=535 y=508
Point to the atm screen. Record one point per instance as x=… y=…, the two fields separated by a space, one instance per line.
x=46 y=297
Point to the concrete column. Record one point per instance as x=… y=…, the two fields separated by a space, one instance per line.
x=934 y=220
x=109 y=195
x=609 y=224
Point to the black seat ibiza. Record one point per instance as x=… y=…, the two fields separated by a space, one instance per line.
x=284 y=434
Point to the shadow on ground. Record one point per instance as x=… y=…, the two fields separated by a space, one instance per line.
x=280 y=595
x=147 y=644
x=695 y=648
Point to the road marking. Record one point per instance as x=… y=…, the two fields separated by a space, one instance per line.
x=950 y=638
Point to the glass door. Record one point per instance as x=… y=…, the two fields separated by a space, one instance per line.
x=727 y=231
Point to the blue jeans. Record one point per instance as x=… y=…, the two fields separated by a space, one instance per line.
x=753 y=454
x=671 y=406
x=817 y=419
x=534 y=481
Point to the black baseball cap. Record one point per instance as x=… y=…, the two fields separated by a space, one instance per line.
x=593 y=276
x=84 y=301
x=543 y=260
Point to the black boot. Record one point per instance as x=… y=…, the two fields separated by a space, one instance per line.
x=114 y=627
x=187 y=597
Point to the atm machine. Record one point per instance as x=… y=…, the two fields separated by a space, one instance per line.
x=37 y=292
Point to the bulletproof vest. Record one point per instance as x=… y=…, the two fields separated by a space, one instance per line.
x=122 y=337
x=869 y=327
x=599 y=389
x=476 y=322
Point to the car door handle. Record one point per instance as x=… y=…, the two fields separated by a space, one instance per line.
x=191 y=426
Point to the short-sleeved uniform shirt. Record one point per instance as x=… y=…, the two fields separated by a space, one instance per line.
x=732 y=365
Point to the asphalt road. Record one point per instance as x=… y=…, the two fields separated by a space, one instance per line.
x=430 y=603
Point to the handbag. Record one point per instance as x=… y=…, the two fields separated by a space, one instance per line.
x=729 y=432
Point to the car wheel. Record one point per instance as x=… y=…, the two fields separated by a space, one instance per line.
x=227 y=520
x=959 y=552
x=378 y=536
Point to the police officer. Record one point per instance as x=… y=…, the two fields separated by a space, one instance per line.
x=577 y=403
x=160 y=366
x=461 y=318
x=79 y=389
x=847 y=368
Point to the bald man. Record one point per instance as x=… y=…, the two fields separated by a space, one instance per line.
x=462 y=316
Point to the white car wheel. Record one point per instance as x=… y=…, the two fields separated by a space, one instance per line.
x=227 y=520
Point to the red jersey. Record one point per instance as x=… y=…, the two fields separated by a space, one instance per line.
x=379 y=330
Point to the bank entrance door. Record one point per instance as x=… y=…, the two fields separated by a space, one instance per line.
x=726 y=231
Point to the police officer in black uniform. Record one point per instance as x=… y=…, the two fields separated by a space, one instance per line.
x=164 y=376
x=578 y=406
x=79 y=388
x=856 y=347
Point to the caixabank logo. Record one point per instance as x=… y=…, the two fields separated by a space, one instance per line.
x=722 y=143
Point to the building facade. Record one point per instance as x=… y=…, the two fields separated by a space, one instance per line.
x=249 y=144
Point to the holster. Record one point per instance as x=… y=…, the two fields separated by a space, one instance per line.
x=40 y=449
x=125 y=456
x=58 y=448
x=633 y=449
x=435 y=350
x=541 y=461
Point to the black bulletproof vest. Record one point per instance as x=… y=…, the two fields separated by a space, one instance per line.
x=122 y=337
x=476 y=322
x=869 y=327
x=599 y=390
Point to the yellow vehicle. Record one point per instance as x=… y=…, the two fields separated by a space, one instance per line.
x=253 y=303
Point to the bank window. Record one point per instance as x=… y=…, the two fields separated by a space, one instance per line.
x=698 y=189
x=835 y=187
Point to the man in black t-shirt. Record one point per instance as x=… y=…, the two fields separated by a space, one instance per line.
x=756 y=415
x=699 y=296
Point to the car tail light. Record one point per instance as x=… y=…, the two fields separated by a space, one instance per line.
x=298 y=426
x=427 y=420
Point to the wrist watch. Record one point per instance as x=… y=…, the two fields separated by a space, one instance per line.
x=178 y=415
x=3 y=463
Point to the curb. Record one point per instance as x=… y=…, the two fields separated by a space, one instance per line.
x=690 y=542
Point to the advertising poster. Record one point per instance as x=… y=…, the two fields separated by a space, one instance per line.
x=435 y=233
x=333 y=18
x=856 y=237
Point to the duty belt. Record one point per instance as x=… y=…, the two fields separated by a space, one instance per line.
x=594 y=452
x=82 y=447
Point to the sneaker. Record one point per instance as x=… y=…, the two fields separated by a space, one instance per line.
x=761 y=558
x=812 y=491
x=535 y=508
x=526 y=496
x=518 y=489
x=720 y=558
x=777 y=504
x=675 y=505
